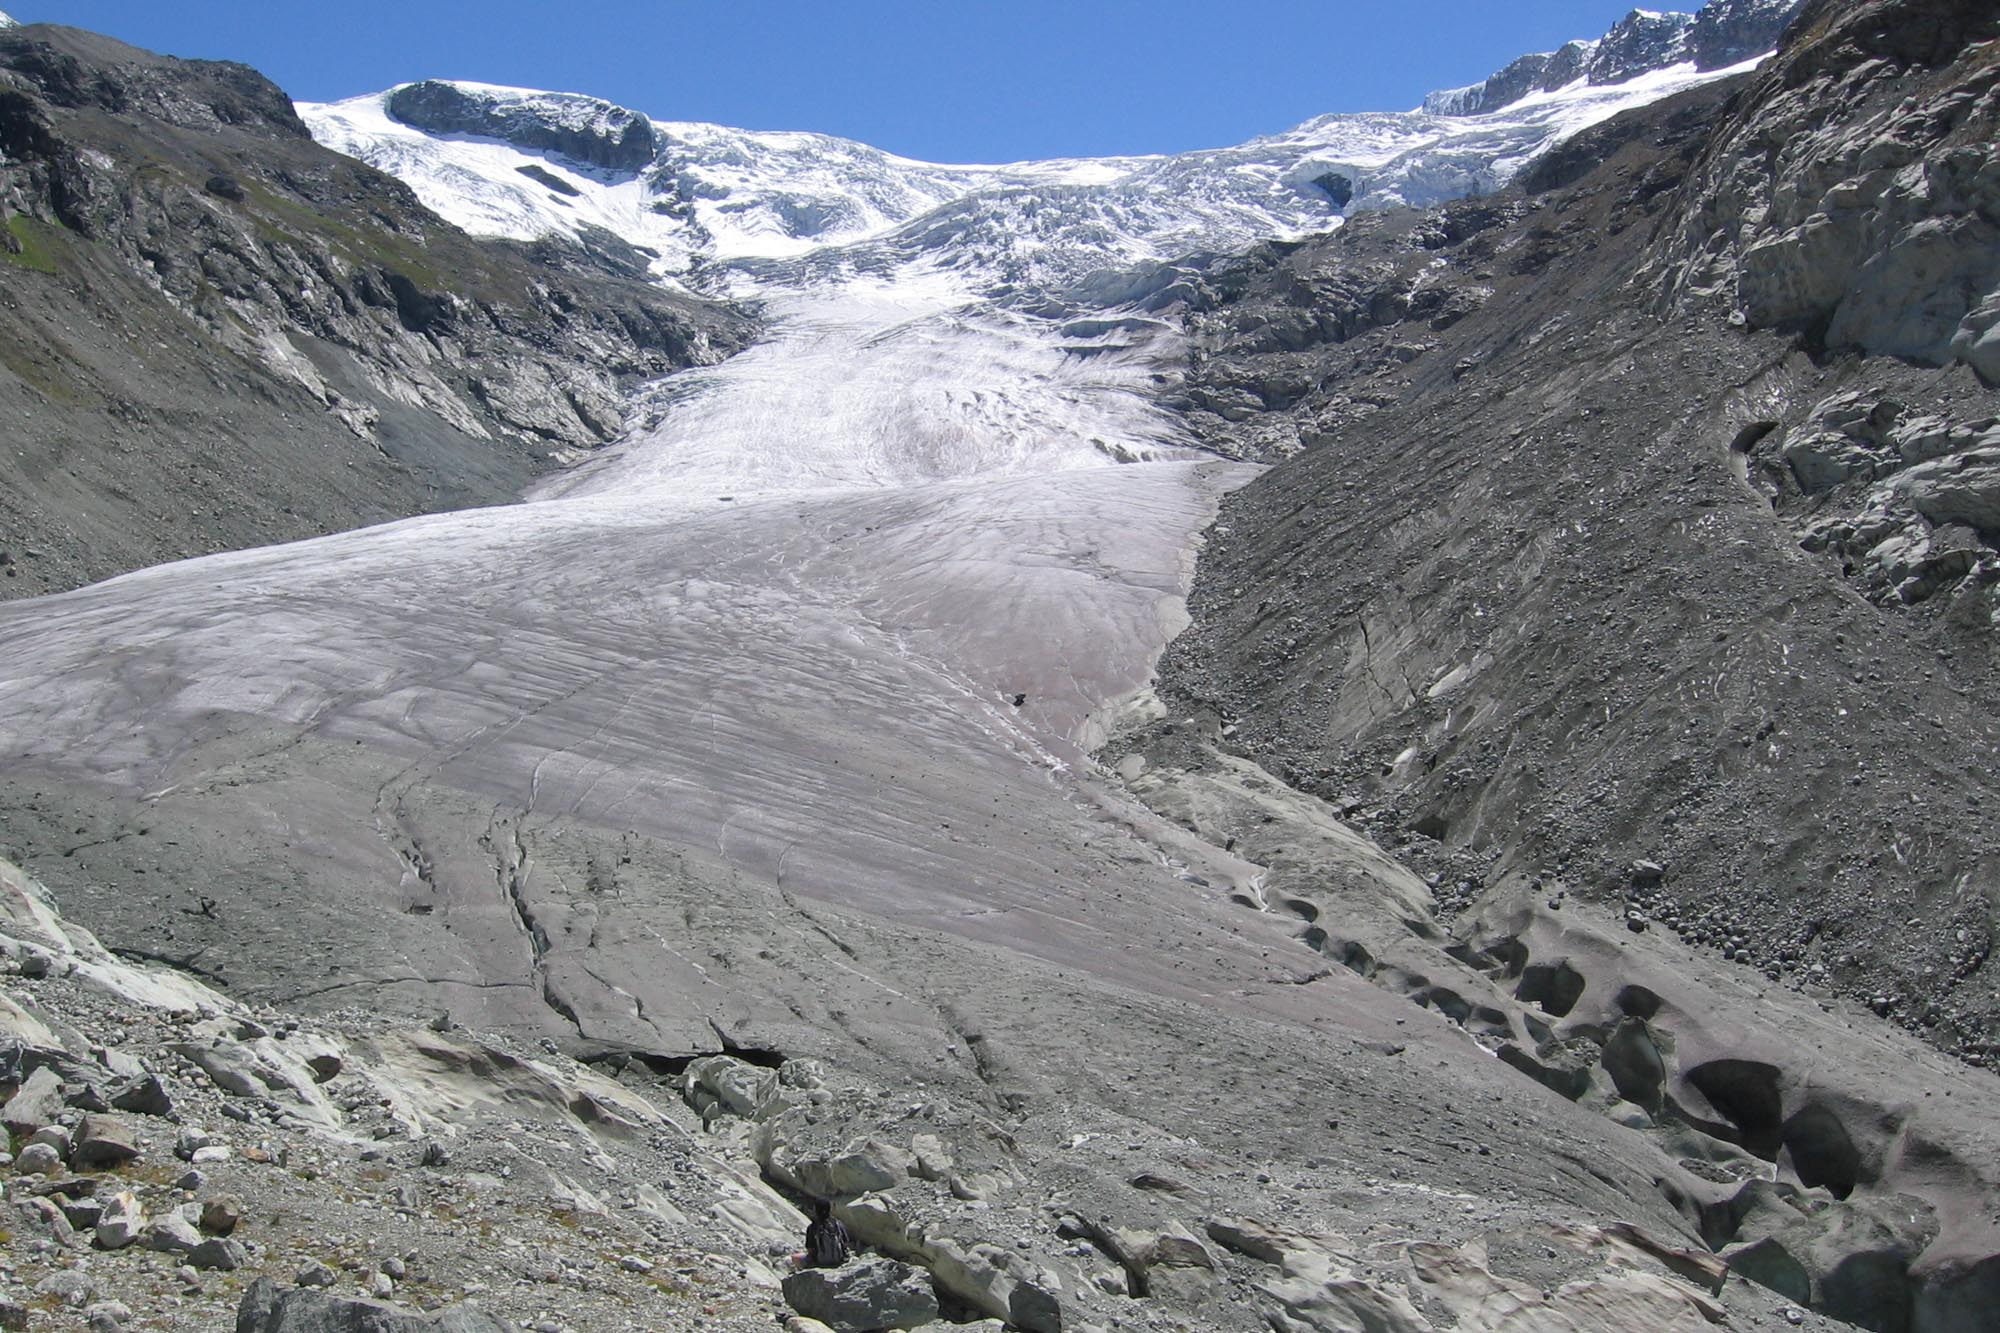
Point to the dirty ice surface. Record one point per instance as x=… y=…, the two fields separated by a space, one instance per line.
x=842 y=616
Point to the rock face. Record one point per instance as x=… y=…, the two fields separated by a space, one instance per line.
x=1842 y=206
x=581 y=128
x=253 y=339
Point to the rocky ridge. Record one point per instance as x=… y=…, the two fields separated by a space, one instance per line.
x=218 y=334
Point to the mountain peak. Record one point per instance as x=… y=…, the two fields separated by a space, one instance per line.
x=1720 y=34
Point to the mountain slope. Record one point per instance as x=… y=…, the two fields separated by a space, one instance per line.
x=1596 y=581
x=217 y=333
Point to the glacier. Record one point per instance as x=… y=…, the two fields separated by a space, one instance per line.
x=838 y=621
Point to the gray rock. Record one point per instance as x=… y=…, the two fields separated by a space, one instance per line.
x=267 y=1309
x=144 y=1095
x=314 y=1274
x=83 y=1214
x=55 y=1136
x=72 y=1288
x=34 y=1104
x=104 y=1141
x=171 y=1233
x=121 y=1222
x=221 y=1214
x=220 y=1254
x=107 y=1316
x=863 y=1294
x=581 y=128
x=13 y=1315
x=39 y=1159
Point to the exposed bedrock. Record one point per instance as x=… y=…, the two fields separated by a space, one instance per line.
x=1854 y=197
x=584 y=129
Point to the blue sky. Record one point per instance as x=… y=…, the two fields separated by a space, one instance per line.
x=947 y=80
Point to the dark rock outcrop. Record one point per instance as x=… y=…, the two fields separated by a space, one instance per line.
x=584 y=129
x=1854 y=199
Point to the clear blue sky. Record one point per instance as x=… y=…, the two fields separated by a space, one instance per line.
x=947 y=80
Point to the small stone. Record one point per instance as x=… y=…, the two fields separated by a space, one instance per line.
x=314 y=1274
x=218 y=1252
x=191 y=1181
x=381 y=1286
x=632 y=1263
x=13 y=1316
x=1794 y=1315
x=188 y=1275
x=395 y=1268
x=210 y=1155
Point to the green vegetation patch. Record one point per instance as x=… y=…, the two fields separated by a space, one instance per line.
x=34 y=244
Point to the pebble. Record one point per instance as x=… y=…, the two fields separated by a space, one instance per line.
x=314 y=1274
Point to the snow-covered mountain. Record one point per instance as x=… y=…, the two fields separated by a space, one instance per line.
x=1722 y=33
x=522 y=163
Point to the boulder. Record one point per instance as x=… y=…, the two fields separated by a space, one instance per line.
x=220 y=1215
x=868 y=1167
x=144 y=1095
x=121 y=1221
x=171 y=1233
x=39 y=1159
x=863 y=1295
x=219 y=1253
x=103 y=1141
x=34 y=1104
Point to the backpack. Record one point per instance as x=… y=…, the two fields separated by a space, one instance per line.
x=827 y=1243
